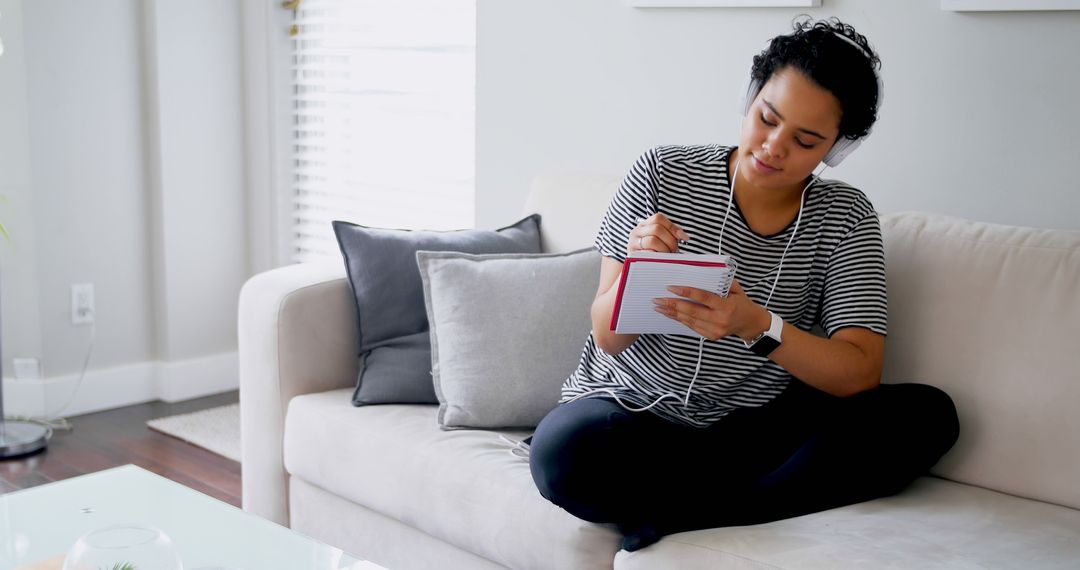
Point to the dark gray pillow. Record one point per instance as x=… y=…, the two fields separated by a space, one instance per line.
x=393 y=340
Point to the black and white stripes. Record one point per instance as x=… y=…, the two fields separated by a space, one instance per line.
x=833 y=276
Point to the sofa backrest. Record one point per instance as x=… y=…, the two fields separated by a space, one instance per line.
x=988 y=313
x=991 y=314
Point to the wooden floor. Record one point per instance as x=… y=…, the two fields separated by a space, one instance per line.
x=118 y=437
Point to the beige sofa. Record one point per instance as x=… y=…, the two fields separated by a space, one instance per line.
x=989 y=313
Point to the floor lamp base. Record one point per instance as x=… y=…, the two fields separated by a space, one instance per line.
x=21 y=438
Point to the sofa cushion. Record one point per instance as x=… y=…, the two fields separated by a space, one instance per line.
x=989 y=314
x=392 y=334
x=933 y=524
x=462 y=487
x=506 y=332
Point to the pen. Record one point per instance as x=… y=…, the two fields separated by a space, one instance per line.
x=678 y=241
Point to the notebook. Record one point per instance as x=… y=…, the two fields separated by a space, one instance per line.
x=646 y=276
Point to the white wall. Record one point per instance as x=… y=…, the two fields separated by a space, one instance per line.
x=195 y=129
x=86 y=156
x=980 y=118
x=125 y=158
x=199 y=220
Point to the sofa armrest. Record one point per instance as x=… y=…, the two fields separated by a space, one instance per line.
x=297 y=335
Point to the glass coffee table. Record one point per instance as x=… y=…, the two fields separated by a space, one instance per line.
x=39 y=525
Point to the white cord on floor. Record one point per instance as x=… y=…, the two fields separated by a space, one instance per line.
x=52 y=421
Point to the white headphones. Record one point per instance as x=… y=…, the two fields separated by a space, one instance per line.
x=843 y=146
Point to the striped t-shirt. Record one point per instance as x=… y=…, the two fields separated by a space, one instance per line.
x=833 y=276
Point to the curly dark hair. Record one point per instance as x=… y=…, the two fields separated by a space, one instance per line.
x=846 y=68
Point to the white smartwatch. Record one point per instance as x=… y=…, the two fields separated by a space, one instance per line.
x=769 y=340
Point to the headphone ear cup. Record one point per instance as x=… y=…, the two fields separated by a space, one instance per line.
x=840 y=150
x=747 y=95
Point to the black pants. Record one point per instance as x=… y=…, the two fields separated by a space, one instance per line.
x=804 y=452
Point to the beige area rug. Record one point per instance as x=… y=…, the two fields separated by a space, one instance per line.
x=214 y=429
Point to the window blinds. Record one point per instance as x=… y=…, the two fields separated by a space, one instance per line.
x=383 y=118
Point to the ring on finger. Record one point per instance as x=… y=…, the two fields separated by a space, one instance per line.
x=640 y=242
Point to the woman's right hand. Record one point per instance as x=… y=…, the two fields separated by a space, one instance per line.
x=656 y=233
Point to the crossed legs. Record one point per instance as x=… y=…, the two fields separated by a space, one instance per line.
x=804 y=452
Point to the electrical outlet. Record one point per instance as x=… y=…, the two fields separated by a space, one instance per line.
x=82 y=304
x=27 y=368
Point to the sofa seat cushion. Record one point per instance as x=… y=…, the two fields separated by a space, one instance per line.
x=463 y=487
x=933 y=524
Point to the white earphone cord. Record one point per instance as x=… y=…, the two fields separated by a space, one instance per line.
x=719 y=251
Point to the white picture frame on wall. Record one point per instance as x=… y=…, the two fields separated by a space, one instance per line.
x=1008 y=5
x=723 y=3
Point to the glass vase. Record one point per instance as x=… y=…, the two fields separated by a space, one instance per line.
x=123 y=547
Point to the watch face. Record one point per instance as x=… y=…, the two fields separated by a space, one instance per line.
x=764 y=346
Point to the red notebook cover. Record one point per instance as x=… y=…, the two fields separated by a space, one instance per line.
x=651 y=257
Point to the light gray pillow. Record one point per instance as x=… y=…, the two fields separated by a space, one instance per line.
x=506 y=331
x=392 y=329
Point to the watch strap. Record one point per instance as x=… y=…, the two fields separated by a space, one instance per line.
x=769 y=340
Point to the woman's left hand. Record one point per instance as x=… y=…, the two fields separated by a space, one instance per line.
x=715 y=317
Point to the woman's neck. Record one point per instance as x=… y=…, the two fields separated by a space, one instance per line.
x=767 y=211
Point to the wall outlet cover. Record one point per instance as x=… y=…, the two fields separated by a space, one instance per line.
x=82 y=303
x=27 y=368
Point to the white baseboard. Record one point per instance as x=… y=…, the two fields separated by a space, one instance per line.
x=110 y=388
x=178 y=381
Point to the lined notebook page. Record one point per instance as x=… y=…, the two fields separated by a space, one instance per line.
x=647 y=275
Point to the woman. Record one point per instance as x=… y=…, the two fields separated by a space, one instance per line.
x=759 y=419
